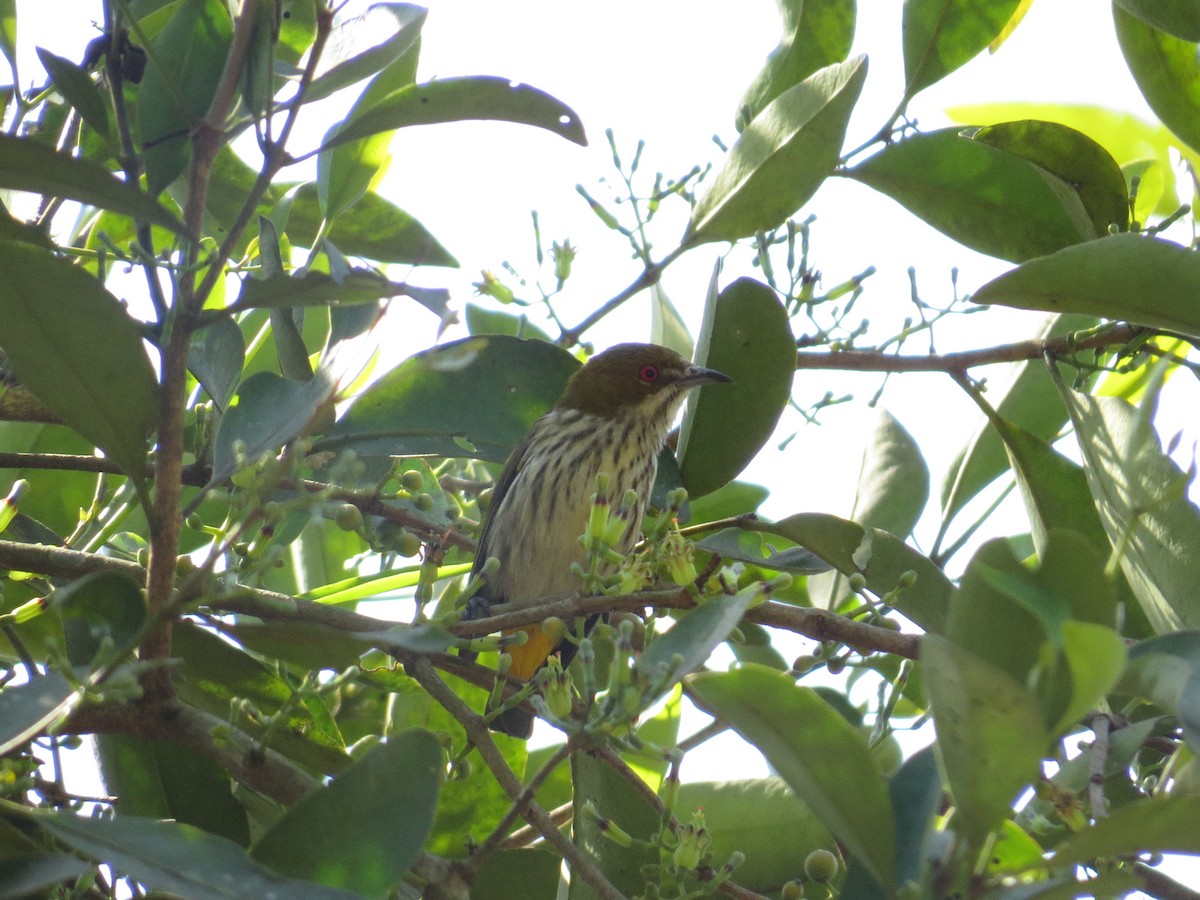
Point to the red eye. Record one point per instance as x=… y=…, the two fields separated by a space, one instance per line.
x=648 y=374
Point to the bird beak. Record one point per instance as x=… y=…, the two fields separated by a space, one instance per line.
x=697 y=375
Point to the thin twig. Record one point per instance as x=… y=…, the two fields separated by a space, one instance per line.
x=422 y=671
x=1100 y=725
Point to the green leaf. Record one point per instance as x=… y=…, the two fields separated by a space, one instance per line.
x=1166 y=71
x=1144 y=826
x=815 y=35
x=346 y=172
x=916 y=793
x=78 y=89
x=990 y=732
x=216 y=356
x=893 y=481
x=474 y=397
x=763 y=819
x=751 y=547
x=1095 y=656
x=481 y=320
x=594 y=783
x=363 y=831
x=517 y=873
x=8 y=35
x=734 y=499
x=1029 y=402
x=26 y=710
x=818 y=753
x=1166 y=671
x=310 y=288
x=258 y=68
x=1141 y=496
x=177 y=859
x=213 y=673
x=163 y=780
x=941 y=35
x=1178 y=17
x=180 y=81
x=1109 y=277
x=31 y=876
x=364 y=45
x=459 y=99
x=101 y=610
x=1128 y=138
x=881 y=557
x=982 y=197
x=746 y=335
x=50 y=315
x=781 y=158
x=27 y=165
x=1072 y=156
x=692 y=639
x=667 y=327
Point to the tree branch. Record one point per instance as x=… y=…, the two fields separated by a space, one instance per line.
x=876 y=361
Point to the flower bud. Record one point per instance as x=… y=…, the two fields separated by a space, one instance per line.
x=491 y=286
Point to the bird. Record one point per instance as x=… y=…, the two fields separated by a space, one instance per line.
x=613 y=417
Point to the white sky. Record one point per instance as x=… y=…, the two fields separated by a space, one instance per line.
x=672 y=72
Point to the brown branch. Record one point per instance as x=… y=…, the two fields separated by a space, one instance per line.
x=876 y=361
x=66 y=462
x=1161 y=886
x=262 y=769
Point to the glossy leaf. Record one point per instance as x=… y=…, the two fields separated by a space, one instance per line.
x=474 y=397
x=192 y=48
x=989 y=729
x=161 y=780
x=482 y=320
x=269 y=412
x=1166 y=671
x=50 y=314
x=177 y=859
x=667 y=327
x=1180 y=18
x=733 y=499
x=1166 y=71
x=101 y=610
x=257 y=81
x=693 y=637
x=1145 y=280
x=216 y=356
x=1126 y=137
x=1072 y=156
x=815 y=35
x=984 y=198
x=460 y=99
x=781 y=158
x=363 y=831
x=1141 y=495
x=893 y=481
x=32 y=876
x=1029 y=402
x=818 y=753
x=310 y=288
x=737 y=544
x=746 y=335
x=941 y=35
x=1095 y=658
x=1144 y=826
x=366 y=44
x=345 y=173
x=916 y=793
x=78 y=89
x=595 y=783
x=27 y=710
x=27 y=165
x=760 y=817
x=881 y=558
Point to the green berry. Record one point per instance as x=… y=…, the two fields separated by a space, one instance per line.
x=412 y=481
x=821 y=866
x=348 y=517
x=423 y=502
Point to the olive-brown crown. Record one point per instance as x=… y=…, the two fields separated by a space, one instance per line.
x=626 y=375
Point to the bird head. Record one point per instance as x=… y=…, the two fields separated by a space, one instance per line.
x=632 y=379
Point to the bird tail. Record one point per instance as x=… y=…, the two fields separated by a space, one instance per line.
x=515 y=722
